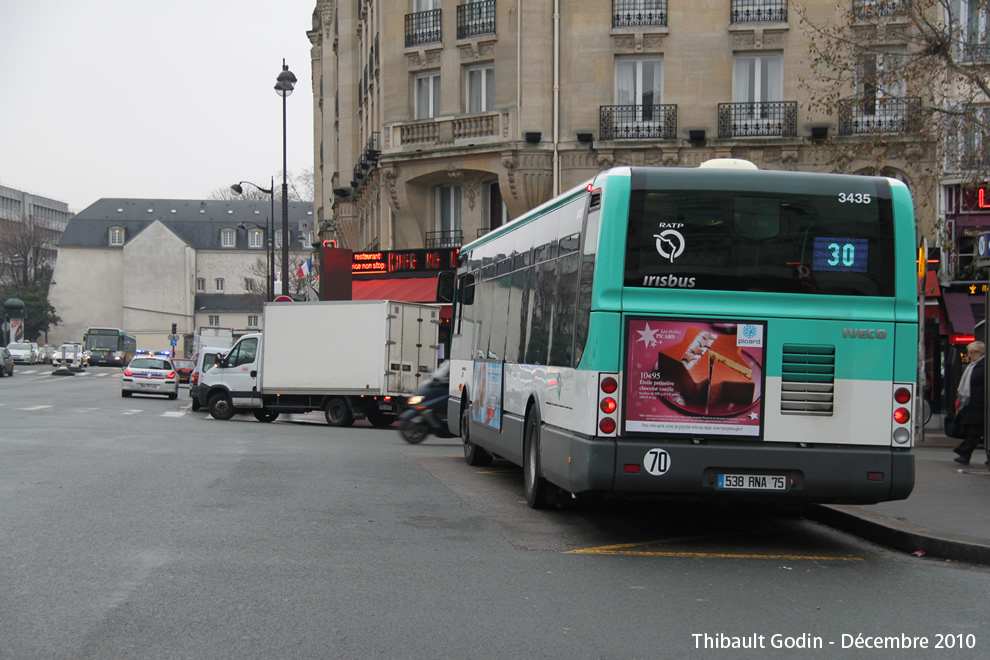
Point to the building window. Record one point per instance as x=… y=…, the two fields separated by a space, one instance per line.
x=249 y=284
x=200 y=285
x=449 y=208
x=970 y=23
x=252 y=321
x=116 y=236
x=214 y=320
x=427 y=95
x=228 y=238
x=218 y=284
x=639 y=83
x=255 y=238
x=879 y=79
x=495 y=212
x=480 y=88
x=757 y=79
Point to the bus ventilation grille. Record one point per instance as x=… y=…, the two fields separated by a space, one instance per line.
x=808 y=383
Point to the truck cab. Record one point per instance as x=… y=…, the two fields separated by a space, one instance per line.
x=233 y=382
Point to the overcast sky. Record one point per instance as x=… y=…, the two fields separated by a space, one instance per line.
x=135 y=98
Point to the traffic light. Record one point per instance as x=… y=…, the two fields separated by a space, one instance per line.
x=329 y=243
x=175 y=328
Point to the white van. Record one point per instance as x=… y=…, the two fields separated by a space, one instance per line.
x=205 y=360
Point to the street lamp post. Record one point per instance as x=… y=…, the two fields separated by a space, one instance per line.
x=269 y=236
x=284 y=85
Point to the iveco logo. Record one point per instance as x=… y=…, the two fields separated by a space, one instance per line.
x=863 y=333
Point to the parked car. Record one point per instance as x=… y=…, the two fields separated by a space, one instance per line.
x=73 y=356
x=205 y=360
x=184 y=368
x=6 y=363
x=21 y=352
x=150 y=375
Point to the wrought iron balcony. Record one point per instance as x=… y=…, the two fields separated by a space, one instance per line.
x=423 y=27
x=443 y=239
x=972 y=52
x=367 y=162
x=637 y=122
x=475 y=19
x=882 y=115
x=867 y=9
x=757 y=119
x=632 y=13
x=757 y=11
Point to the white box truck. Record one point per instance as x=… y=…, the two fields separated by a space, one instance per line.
x=350 y=359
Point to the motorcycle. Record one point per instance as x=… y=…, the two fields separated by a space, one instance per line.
x=426 y=409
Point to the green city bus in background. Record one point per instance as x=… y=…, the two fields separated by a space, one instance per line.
x=712 y=332
x=110 y=347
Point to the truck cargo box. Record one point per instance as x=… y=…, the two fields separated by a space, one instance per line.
x=374 y=347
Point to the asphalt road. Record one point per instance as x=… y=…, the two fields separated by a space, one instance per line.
x=134 y=528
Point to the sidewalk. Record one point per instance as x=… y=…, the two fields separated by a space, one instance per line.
x=947 y=516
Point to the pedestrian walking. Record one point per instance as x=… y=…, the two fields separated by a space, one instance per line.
x=971 y=403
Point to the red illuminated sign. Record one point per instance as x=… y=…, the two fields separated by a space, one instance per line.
x=404 y=261
x=981 y=203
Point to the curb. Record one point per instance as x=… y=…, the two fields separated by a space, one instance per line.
x=900 y=535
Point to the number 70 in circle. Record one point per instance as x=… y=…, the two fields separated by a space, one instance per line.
x=656 y=462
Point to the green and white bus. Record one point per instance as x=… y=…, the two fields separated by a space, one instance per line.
x=719 y=331
x=110 y=347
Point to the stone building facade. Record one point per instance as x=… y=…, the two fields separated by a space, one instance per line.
x=437 y=120
x=143 y=264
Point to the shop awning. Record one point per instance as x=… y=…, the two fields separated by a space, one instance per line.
x=932 y=289
x=409 y=289
x=960 y=311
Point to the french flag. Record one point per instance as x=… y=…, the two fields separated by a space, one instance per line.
x=305 y=268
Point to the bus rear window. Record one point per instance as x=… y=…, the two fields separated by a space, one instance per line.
x=834 y=239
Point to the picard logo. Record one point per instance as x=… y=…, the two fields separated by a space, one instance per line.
x=863 y=333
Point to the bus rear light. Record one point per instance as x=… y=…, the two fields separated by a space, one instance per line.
x=902 y=395
x=874 y=476
x=607 y=425
x=902 y=415
x=608 y=405
x=609 y=385
x=632 y=468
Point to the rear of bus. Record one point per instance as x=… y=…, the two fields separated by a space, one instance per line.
x=761 y=334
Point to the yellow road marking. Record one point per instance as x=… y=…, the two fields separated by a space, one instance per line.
x=626 y=549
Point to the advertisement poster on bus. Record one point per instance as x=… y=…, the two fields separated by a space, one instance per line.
x=487 y=405
x=695 y=377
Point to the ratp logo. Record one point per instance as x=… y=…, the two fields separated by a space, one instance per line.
x=670 y=244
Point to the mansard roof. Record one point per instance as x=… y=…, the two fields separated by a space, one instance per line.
x=197 y=222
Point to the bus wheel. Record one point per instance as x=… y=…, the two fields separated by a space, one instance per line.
x=338 y=413
x=473 y=454
x=221 y=407
x=535 y=484
x=265 y=415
